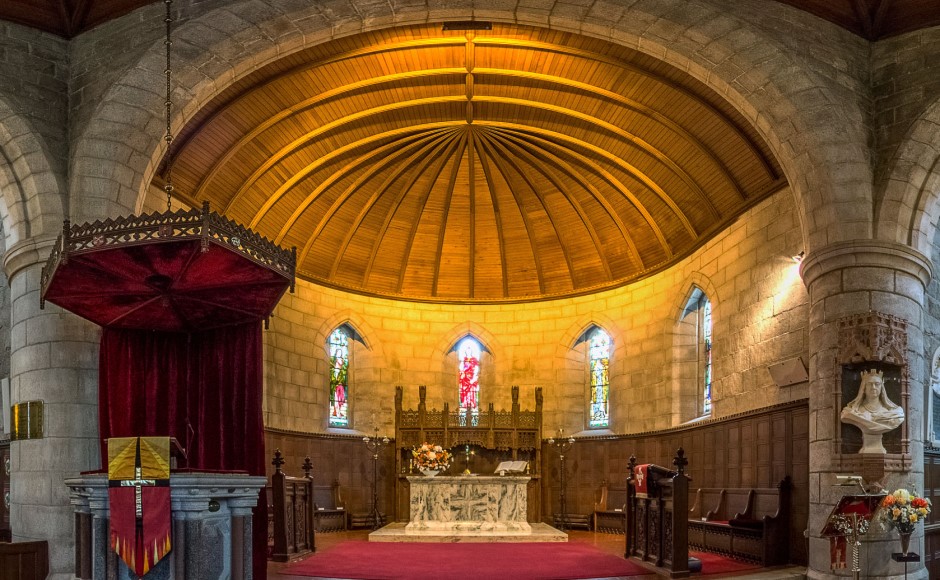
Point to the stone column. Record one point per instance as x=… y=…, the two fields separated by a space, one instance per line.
x=53 y=358
x=846 y=279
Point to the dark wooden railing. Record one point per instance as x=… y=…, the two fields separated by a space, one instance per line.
x=292 y=510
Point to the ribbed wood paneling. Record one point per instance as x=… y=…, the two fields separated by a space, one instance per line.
x=511 y=164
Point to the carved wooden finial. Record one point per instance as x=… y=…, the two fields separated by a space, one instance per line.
x=515 y=394
x=307 y=467
x=631 y=465
x=278 y=460
x=680 y=461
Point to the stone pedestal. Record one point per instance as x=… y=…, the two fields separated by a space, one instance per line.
x=211 y=528
x=468 y=504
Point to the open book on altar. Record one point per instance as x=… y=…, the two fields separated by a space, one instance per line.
x=512 y=467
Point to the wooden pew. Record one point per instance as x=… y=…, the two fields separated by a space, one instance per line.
x=746 y=523
x=711 y=532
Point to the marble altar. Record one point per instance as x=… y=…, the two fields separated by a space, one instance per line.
x=211 y=528
x=495 y=505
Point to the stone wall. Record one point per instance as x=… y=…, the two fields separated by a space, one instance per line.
x=34 y=67
x=759 y=312
x=33 y=132
x=904 y=72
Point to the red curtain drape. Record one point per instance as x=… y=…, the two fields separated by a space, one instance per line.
x=208 y=384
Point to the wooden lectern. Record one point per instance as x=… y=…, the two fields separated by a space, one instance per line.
x=847 y=522
x=656 y=524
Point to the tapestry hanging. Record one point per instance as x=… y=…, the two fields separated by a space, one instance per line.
x=139 y=500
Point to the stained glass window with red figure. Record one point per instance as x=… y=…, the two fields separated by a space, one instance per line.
x=468 y=375
x=339 y=378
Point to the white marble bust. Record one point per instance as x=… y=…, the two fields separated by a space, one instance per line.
x=872 y=412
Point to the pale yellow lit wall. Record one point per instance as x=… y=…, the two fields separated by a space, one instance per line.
x=760 y=318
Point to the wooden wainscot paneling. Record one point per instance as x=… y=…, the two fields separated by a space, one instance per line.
x=338 y=459
x=932 y=525
x=755 y=449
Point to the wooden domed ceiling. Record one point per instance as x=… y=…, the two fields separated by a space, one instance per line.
x=493 y=165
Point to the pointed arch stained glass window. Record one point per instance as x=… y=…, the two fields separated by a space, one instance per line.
x=339 y=378
x=468 y=374
x=599 y=352
x=707 y=355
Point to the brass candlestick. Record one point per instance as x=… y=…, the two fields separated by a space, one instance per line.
x=467 y=454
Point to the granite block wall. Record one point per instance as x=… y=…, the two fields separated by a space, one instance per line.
x=759 y=312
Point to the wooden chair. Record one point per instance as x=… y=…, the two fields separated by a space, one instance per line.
x=606 y=519
x=329 y=509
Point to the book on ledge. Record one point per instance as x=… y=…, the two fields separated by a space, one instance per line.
x=511 y=467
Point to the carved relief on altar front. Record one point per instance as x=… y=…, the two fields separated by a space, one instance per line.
x=871 y=394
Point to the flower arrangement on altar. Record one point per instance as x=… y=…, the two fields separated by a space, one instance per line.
x=433 y=457
x=902 y=509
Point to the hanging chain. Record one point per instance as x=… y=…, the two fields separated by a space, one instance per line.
x=168 y=186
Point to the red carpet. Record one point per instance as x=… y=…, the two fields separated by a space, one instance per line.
x=715 y=564
x=463 y=561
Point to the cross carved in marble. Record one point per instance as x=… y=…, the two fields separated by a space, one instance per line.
x=471 y=504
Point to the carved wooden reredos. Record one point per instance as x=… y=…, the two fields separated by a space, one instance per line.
x=511 y=430
x=871 y=341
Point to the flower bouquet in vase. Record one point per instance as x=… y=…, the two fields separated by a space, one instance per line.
x=902 y=510
x=430 y=459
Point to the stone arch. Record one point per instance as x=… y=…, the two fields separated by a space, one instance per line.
x=574 y=331
x=909 y=210
x=364 y=330
x=683 y=364
x=801 y=114
x=30 y=190
x=702 y=281
x=449 y=340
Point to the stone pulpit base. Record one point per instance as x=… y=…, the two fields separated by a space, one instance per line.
x=211 y=538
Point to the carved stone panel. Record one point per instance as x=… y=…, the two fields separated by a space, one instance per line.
x=871 y=342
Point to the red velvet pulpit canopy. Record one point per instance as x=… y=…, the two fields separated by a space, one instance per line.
x=181 y=296
x=187 y=270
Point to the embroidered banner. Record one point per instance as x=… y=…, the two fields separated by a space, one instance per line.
x=139 y=500
x=641 y=479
